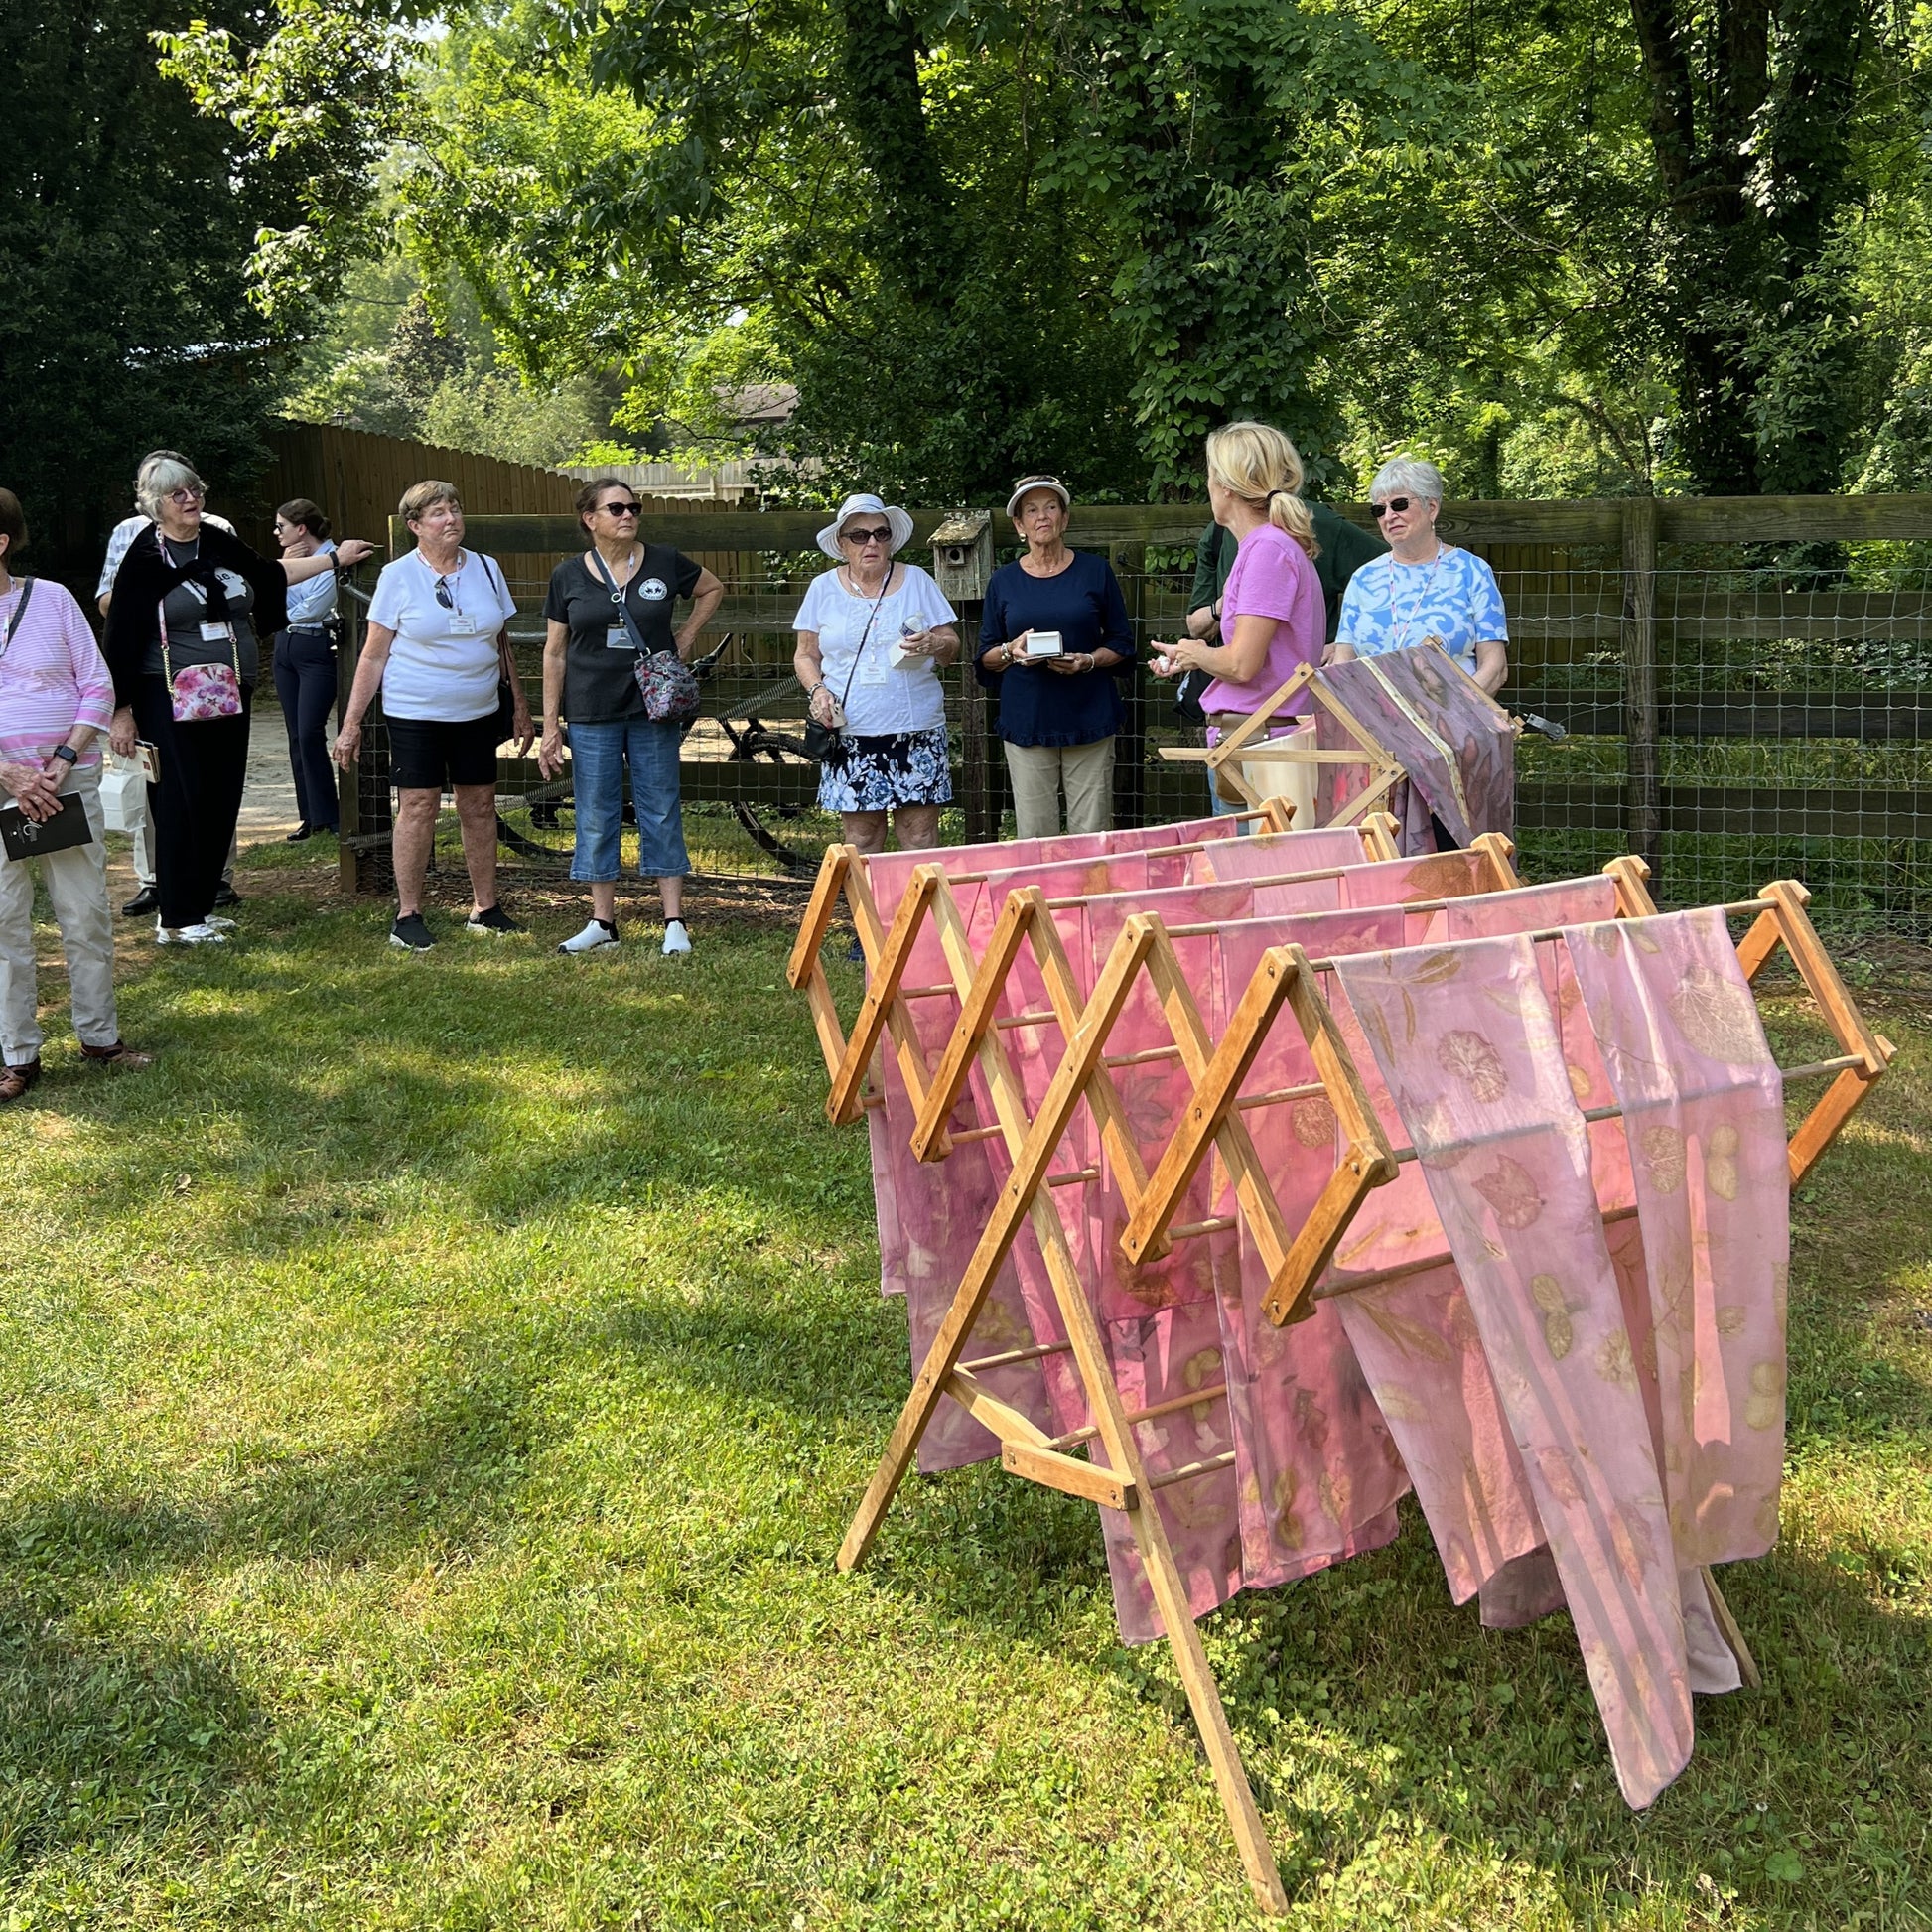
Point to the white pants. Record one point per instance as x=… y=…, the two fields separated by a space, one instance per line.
x=1041 y=772
x=77 y=885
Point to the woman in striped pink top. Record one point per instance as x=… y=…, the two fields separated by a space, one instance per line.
x=55 y=697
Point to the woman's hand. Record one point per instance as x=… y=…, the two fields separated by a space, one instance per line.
x=523 y=727
x=121 y=733
x=550 y=753
x=821 y=704
x=1076 y=664
x=348 y=742
x=1170 y=660
x=31 y=789
x=352 y=551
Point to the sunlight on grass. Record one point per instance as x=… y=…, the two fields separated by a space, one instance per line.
x=436 y=1392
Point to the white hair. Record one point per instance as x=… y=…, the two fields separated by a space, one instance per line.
x=1406 y=475
x=161 y=473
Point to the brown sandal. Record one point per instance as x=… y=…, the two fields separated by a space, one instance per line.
x=15 y=1080
x=118 y=1054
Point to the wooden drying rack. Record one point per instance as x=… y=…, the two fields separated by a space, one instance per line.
x=1285 y=980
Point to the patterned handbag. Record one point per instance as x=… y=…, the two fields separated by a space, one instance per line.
x=200 y=692
x=669 y=685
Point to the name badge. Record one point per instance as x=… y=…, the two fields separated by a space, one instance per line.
x=872 y=667
x=618 y=638
x=216 y=633
x=462 y=624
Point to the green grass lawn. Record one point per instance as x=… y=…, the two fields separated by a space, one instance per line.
x=435 y=1393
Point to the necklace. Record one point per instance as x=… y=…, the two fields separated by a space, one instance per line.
x=1420 y=597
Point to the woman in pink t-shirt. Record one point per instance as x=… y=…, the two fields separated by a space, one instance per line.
x=1273 y=615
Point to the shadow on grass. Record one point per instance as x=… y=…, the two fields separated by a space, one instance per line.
x=109 y=1741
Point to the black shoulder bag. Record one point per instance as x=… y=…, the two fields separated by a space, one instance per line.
x=821 y=741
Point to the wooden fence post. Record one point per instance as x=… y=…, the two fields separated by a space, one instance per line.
x=1130 y=752
x=1645 y=824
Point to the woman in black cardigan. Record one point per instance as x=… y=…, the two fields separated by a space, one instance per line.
x=190 y=604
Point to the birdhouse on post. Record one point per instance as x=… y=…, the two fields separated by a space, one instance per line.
x=962 y=555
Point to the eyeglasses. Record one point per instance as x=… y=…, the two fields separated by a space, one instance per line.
x=187 y=494
x=868 y=536
x=622 y=510
x=1396 y=505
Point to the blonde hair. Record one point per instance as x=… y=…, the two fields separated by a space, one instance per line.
x=1258 y=464
x=419 y=496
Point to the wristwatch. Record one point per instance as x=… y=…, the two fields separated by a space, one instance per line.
x=66 y=754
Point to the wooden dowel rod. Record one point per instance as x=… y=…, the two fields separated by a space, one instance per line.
x=1140 y=1060
x=1199 y=845
x=1189 y=1471
x=1182 y=1230
x=1205 y=1394
x=1273 y=878
x=1814 y=1070
x=873 y=1100
x=1327 y=1290
x=1074 y=1178
x=1280 y=1094
x=1039 y=1017
x=946 y=992
x=1014 y=1355
x=976 y=1134
x=1548 y=936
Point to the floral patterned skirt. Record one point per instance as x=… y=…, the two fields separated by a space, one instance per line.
x=876 y=775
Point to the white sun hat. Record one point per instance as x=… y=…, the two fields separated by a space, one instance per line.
x=1027 y=485
x=899 y=521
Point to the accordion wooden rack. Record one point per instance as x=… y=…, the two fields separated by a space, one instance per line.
x=1103 y=1461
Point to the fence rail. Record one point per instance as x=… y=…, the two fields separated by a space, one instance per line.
x=1747 y=684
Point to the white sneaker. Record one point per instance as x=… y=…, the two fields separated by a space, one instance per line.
x=203 y=934
x=596 y=934
x=676 y=939
x=215 y=924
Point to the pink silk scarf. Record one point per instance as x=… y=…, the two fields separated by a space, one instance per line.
x=1526 y=1395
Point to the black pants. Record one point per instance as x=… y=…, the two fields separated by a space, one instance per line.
x=197 y=802
x=305 y=681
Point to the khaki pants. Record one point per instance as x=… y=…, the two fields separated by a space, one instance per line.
x=76 y=887
x=1039 y=773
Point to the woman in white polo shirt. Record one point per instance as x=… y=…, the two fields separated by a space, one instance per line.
x=437 y=651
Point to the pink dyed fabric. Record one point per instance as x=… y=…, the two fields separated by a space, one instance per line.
x=1467 y=1042
x=1273 y=853
x=1418 y=706
x=1704 y=1122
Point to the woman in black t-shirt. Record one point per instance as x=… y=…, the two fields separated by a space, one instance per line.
x=589 y=664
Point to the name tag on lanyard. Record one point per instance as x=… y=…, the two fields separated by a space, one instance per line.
x=216 y=633
x=619 y=639
x=462 y=624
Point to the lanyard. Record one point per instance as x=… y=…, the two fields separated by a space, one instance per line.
x=1420 y=597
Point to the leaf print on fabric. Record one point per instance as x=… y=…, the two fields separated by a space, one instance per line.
x=1398 y=1404
x=1631 y=1539
x=1202 y=1369
x=1337 y=1492
x=1765 y=1408
x=1509 y=1188
x=1555 y=1308
x=1716 y=1015
x=1448 y=875
x=1615 y=1363
x=1475 y=1062
x=1662 y=1149
x=1559 y=1474
x=1436 y=967
x=1310 y=1420
x=1720 y=1161
x=1579 y=1081
x=1287 y=1525
x=1765 y=1519
x=1412 y=1338
x=1312 y=1122
x=1731 y=1319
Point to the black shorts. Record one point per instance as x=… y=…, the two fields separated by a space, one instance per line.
x=427 y=754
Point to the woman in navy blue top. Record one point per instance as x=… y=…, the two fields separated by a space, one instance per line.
x=1059 y=714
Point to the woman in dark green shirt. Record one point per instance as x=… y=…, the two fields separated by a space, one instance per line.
x=590 y=679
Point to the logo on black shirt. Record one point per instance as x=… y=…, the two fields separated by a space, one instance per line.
x=654 y=587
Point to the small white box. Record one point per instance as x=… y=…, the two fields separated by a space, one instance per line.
x=1045 y=643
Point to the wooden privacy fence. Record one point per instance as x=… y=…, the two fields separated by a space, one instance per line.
x=1746 y=682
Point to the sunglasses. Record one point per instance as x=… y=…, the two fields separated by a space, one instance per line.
x=622 y=510
x=1395 y=507
x=868 y=536
x=443 y=596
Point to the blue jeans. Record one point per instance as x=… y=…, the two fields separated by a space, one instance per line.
x=598 y=754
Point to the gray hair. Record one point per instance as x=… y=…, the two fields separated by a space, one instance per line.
x=1406 y=475
x=161 y=473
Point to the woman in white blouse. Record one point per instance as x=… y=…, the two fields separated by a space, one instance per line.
x=874 y=636
x=437 y=651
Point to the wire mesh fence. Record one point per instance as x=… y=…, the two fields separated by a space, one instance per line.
x=1735 y=709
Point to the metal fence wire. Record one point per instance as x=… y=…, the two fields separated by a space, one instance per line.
x=1735 y=712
